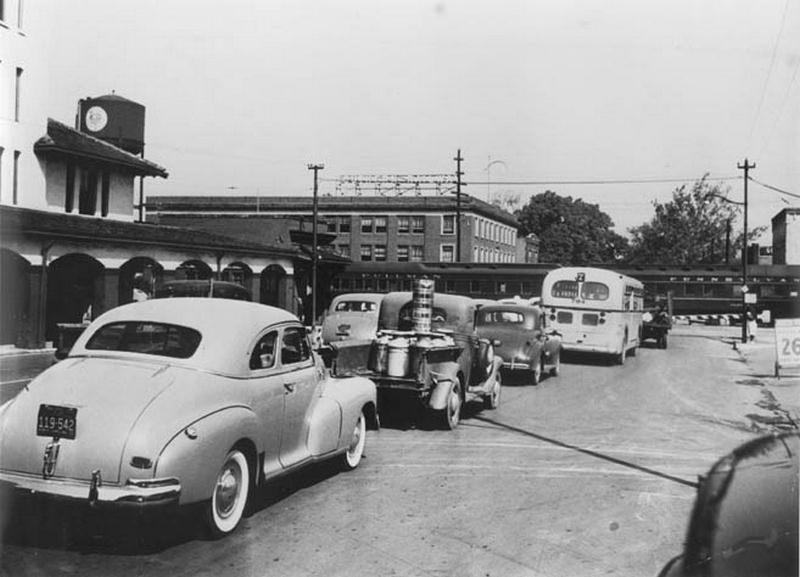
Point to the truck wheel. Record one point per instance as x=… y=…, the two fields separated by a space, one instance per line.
x=450 y=416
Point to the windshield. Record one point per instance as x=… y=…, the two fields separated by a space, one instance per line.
x=570 y=289
x=146 y=337
x=500 y=317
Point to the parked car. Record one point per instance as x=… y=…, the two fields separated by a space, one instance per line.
x=745 y=519
x=442 y=369
x=519 y=336
x=181 y=401
x=351 y=316
x=203 y=288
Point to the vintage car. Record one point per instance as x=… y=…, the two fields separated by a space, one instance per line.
x=519 y=336
x=181 y=401
x=745 y=517
x=442 y=368
x=351 y=316
x=656 y=324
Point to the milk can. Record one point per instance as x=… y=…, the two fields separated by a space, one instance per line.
x=398 y=358
x=378 y=354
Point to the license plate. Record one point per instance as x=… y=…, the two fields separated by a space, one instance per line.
x=56 y=421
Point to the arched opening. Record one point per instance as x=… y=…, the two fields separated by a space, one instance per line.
x=14 y=296
x=138 y=279
x=273 y=284
x=193 y=270
x=74 y=289
x=239 y=273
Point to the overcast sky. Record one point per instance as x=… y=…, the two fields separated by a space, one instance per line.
x=246 y=93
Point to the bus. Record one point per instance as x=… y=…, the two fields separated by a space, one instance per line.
x=595 y=310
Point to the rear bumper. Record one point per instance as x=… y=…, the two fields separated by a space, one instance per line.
x=142 y=494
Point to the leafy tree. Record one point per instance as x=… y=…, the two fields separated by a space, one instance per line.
x=693 y=227
x=571 y=232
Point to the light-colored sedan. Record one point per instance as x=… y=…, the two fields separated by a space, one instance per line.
x=181 y=401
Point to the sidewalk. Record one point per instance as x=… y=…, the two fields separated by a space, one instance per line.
x=12 y=351
x=759 y=357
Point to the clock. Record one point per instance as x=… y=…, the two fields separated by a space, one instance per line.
x=96 y=118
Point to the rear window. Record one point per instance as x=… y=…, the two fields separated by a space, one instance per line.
x=500 y=317
x=590 y=291
x=564 y=317
x=147 y=338
x=355 y=307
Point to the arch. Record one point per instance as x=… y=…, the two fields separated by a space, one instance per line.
x=74 y=291
x=193 y=270
x=138 y=278
x=273 y=286
x=15 y=295
x=238 y=272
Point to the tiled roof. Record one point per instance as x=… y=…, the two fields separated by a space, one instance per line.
x=16 y=222
x=284 y=204
x=66 y=141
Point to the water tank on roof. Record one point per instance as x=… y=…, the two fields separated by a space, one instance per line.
x=115 y=119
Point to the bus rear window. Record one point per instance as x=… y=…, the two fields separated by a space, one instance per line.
x=590 y=291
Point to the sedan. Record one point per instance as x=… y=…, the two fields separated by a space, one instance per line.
x=519 y=336
x=181 y=401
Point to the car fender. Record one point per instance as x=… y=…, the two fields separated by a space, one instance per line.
x=196 y=452
x=444 y=377
x=352 y=394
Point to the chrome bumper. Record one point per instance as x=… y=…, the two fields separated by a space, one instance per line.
x=136 y=492
x=516 y=365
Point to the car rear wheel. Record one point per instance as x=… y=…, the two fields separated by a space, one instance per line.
x=352 y=457
x=229 y=497
x=451 y=414
x=492 y=401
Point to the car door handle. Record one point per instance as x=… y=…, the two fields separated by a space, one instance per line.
x=289 y=387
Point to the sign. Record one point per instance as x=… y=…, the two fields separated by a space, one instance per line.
x=787 y=344
x=750 y=298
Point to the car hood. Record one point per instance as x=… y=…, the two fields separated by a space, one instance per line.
x=110 y=396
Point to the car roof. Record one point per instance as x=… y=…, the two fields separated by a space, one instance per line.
x=227 y=327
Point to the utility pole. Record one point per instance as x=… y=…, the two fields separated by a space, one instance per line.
x=459 y=174
x=314 y=256
x=746 y=167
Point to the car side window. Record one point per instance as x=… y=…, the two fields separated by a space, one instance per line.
x=294 y=346
x=263 y=356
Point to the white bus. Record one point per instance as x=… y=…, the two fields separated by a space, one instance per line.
x=595 y=310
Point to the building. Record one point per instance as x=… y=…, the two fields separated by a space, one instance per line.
x=367 y=228
x=786 y=236
x=70 y=246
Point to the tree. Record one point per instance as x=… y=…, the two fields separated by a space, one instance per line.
x=693 y=227
x=571 y=232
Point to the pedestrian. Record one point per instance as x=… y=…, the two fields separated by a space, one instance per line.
x=752 y=324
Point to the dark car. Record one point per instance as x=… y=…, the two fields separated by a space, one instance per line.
x=203 y=288
x=519 y=336
x=745 y=518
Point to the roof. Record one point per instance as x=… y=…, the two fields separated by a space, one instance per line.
x=25 y=222
x=62 y=140
x=329 y=204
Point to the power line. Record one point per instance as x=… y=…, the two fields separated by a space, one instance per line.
x=593 y=181
x=775 y=188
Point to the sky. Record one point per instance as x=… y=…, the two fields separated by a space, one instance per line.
x=562 y=95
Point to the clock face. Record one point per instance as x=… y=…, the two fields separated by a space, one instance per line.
x=96 y=119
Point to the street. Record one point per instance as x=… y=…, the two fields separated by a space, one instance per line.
x=592 y=472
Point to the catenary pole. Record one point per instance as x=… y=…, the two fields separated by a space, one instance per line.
x=746 y=167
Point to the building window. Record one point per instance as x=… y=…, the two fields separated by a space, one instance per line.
x=344 y=250
x=447 y=253
x=403 y=224
x=501 y=287
x=15 y=178
x=105 y=193
x=402 y=253
x=417 y=224
x=380 y=252
x=69 y=193
x=474 y=286
x=330 y=222
x=17 y=89
x=417 y=253
x=450 y=286
x=87 y=200
x=380 y=224
x=366 y=252
x=344 y=225
x=448 y=224
x=366 y=224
